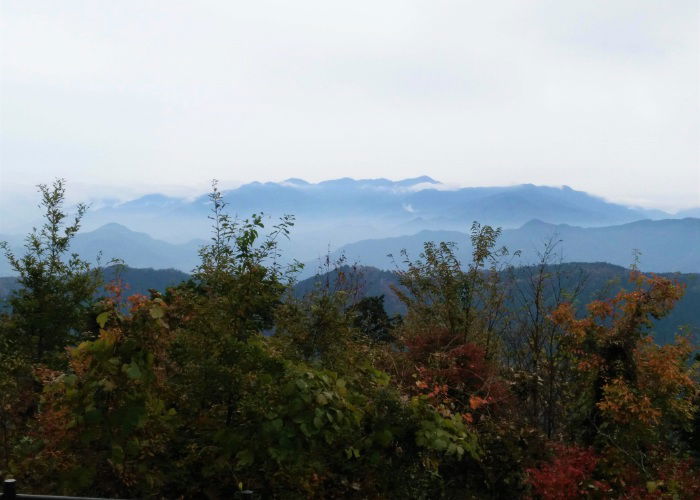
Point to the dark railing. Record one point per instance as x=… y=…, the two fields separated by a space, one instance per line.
x=9 y=492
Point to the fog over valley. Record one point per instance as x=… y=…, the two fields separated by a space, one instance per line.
x=370 y=218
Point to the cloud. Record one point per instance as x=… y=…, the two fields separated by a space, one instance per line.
x=135 y=95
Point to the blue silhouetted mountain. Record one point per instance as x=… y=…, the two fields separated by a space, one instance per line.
x=691 y=212
x=340 y=211
x=115 y=241
x=668 y=245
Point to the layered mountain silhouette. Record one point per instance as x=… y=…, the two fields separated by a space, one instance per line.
x=344 y=210
x=665 y=246
x=370 y=218
x=135 y=281
x=669 y=245
x=115 y=241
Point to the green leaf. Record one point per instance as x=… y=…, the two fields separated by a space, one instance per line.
x=439 y=444
x=245 y=458
x=117 y=453
x=133 y=371
x=133 y=447
x=156 y=312
x=102 y=318
x=384 y=437
x=108 y=385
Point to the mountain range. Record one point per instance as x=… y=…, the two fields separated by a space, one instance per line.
x=669 y=245
x=114 y=241
x=342 y=211
x=135 y=281
x=369 y=218
x=612 y=244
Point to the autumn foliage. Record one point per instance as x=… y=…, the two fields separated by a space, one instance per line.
x=229 y=383
x=568 y=474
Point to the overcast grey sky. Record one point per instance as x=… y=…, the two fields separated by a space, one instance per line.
x=126 y=97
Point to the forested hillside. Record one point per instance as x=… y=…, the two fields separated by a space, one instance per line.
x=595 y=281
x=135 y=280
x=497 y=382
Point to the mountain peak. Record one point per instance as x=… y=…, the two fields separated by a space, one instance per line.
x=113 y=227
x=296 y=181
x=536 y=223
x=423 y=179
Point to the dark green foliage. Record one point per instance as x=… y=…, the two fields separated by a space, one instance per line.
x=370 y=318
x=51 y=307
x=141 y=281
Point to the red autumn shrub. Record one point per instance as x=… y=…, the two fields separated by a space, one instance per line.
x=674 y=478
x=567 y=475
x=452 y=371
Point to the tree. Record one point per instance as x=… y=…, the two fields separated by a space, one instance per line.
x=103 y=425
x=633 y=396
x=370 y=317
x=57 y=289
x=239 y=273
x=468 y=303
x=540 y=369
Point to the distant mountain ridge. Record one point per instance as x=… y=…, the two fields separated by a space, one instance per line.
x=115 y=241
x=666 y=246
x=340 y=211
x=165 y=231
x=669 y=245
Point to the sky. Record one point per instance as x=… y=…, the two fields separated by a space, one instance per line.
x=130 y=97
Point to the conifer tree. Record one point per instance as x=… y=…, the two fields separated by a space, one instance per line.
x=56 y=289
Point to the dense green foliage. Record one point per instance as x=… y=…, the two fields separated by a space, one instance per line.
x=488 y=387
x=52 y=304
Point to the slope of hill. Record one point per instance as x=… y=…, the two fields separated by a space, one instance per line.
x=136 y=280
x=665 y=245
x=691 y=212
x=114 y=241
x=668 y=245
x=600 y=280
